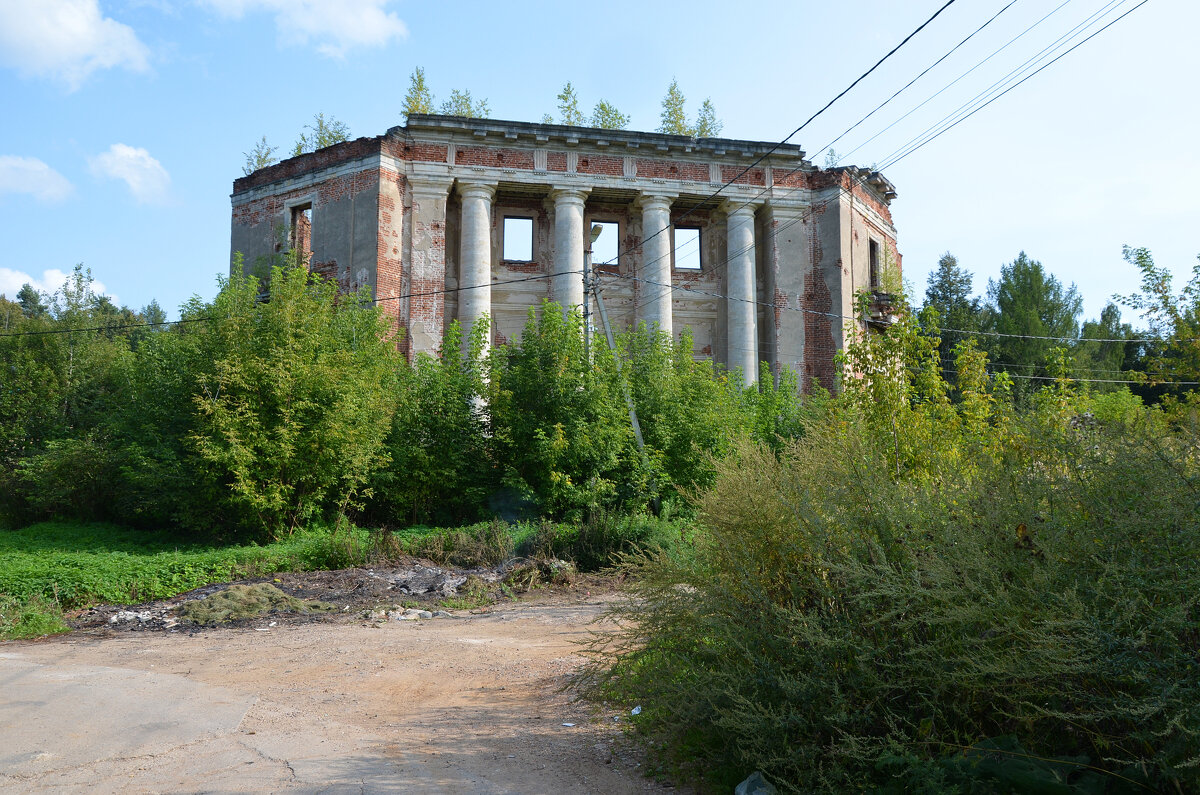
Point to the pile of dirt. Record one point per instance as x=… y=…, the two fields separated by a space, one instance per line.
x=246 y=601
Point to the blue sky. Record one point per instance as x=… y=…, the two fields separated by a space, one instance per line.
x=126 y=121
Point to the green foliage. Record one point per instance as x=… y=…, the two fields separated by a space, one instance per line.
x=673 y=119
x=1173 y=317
x=707 y=124
x=261 y=156
x=292 y=399
x=321 y=133
x=560 y=435
x=29 y=618
x=1029 y=302
x=568 y=106
x=461 y=103
x=440 y=468
x=915 y=592
x=606 y=116
x=75 y=565
x=419 y=98
x=958 y=313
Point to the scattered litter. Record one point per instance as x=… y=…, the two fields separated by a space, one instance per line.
x=261 y=629
x=569 y=724
x=636 y=710
x=273 y=623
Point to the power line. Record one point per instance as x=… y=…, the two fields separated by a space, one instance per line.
x=953 y=82
x=789 y=137
x=1015 y=85
x=905 y=154
x=948 y=53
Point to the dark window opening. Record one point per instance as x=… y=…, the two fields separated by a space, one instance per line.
x=874 y=264
x=301 y=234
x=518 y=239
x=607 y=249
x=687 y=249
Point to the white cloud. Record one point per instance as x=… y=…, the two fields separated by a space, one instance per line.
x=51 y=281
x=334 y=26
x=145 y=176
x=66 y=39
x=32 y=176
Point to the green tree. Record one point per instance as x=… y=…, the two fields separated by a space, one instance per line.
x=292 y=400
x=441 y=468
x=606 y=116
x=673 y=119
x=1026 y=306
x=949 y=293
x=419 y=98
x=461 y=103
x=559 y=424
x=568 y=107
x=1174 y=318
x=261 y=156
x=1098 y=358
x=31 y=301
x=707 y=124
x=321 y=133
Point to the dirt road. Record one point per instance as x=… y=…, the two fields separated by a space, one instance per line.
x=459 y=705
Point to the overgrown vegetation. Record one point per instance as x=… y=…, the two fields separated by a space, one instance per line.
x=919 y=594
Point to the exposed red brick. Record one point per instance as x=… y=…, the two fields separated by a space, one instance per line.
x=597 y=164
x=754 y=176
x=495 y=158
x=673 y=169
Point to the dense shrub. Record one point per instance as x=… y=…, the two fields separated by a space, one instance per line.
x=926 y=596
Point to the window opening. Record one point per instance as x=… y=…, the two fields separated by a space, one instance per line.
x=874 y=264
x=518 y=239
x=606 y=249
x=687 y=249
x=301 y=237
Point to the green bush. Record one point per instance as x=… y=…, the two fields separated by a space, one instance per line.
x=915 y=583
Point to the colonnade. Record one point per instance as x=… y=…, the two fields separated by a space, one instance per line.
x=655 y=292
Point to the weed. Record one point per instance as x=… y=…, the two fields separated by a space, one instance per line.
x=246 y=601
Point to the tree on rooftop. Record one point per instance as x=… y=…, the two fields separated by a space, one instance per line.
x=707 y=124
x=321 y=133
x=419 y=98
x=606 y=116
x=674 y=118
x=461 y=103
x=568 y=107
x=261 y=156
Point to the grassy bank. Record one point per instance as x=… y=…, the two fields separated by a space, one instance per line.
x=54 y=566
x=50 y=567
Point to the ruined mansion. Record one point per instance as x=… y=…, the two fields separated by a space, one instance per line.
x=453 y=218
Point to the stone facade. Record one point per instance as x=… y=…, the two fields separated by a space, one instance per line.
x=418 y=215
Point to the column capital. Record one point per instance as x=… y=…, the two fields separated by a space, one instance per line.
x=655 y=200
x=737 y=207
x=569 y=195
x=476 y=189
x=424 y=185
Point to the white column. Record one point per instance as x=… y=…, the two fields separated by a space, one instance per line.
x=566 y=288
x=655 y=289
x=475 y=255
x=740 y=308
